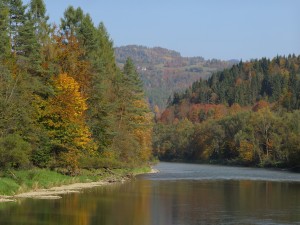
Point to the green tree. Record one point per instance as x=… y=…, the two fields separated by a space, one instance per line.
x=102 y=101
x=134 y=117
x=37 y=12
x=4 y=31
x=72 y=20
x=28 y=48
x=17 y=18
x=14 y=152
x=130 y=90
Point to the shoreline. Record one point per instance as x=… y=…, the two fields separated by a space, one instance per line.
x=56 y=192
x=233 y=164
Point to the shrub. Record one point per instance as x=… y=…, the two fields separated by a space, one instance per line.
x=14 y=152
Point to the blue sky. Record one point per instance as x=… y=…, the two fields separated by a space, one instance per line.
x=222 y=29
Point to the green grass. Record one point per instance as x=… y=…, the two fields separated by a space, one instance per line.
x=141 y=170
x=14 y=182
x=8 y=186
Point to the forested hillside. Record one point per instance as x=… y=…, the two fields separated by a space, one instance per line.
x=64 y=103
x=247 y=114
x=165 y=71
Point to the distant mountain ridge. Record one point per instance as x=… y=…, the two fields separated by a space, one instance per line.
x=144 y=54
x=165 y=71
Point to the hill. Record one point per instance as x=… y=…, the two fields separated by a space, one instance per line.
x=274 y=81
x=165 y=71
x=247 y=114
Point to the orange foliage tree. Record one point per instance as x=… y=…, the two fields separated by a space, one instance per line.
x=69 y=56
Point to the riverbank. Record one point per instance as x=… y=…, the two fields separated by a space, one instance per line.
x=45 y=184
x=234 y=163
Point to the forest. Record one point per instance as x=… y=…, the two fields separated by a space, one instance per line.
x=245 y=115
x=64 y=103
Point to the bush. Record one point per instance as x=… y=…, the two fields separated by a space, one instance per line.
x=98 y=162
x=41 y=157
x=14 y=152
x=41 y=154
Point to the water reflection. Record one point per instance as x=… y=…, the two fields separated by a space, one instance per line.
x=164 y=202
x=226 y=202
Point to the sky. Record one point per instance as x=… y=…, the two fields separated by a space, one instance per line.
x=221 y=29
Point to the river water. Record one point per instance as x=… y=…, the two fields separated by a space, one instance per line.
x=181 y=194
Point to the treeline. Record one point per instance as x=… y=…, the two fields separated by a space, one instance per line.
x=246 y=83
x=262 y=138
x=142 y=54
x=64 y=103
x=248 y=114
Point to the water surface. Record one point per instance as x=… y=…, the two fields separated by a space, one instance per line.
x=181 y=194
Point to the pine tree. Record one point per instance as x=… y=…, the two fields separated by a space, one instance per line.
x=17 y=19
x=37 y=12
x=87 y=36
x=102 y=101
x=4 y=35
x=72 y=20
x=77 y=23
x=28 y=48
x=134 y=117
x=131 y=91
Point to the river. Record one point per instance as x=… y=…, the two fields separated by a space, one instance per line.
x=181 y=194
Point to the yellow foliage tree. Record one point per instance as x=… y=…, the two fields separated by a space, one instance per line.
x=143 y=129
x=246 y=151
x=65 y=122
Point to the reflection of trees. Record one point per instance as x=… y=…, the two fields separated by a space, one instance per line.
x=71 y=209
x=145 y=202
x=214 y=202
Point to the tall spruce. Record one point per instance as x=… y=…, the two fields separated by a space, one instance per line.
x=72 y=19
x=102 y=101
x=82 y=26
x=17 y=18
x=4 y=28
x=134 y=117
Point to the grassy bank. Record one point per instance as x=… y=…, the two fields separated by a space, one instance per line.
x=16 y=182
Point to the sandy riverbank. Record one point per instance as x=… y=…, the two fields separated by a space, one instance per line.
x=56 y=192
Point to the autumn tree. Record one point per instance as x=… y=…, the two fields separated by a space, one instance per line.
x=68 y=57
x=64 y=119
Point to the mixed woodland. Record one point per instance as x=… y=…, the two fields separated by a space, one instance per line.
x=64 y=102
x=247 y=114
